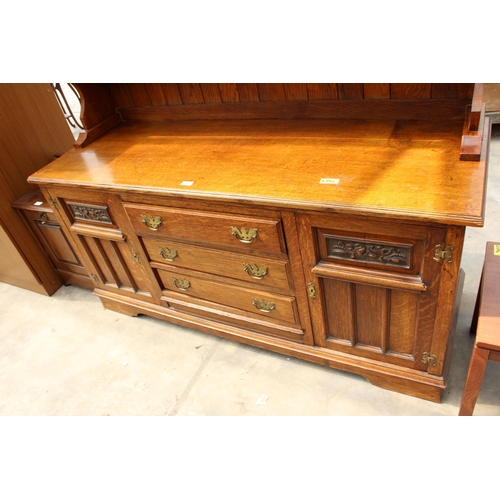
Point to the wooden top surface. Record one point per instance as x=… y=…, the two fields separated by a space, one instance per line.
x=488 y=330
x=393 y=168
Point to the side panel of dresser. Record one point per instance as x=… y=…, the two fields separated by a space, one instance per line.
x=385 y=292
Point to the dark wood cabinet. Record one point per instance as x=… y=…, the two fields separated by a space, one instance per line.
x=33 y=131
x=325 y=228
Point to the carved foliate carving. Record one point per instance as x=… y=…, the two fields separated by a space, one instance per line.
x=369 y=252
x=90 y=212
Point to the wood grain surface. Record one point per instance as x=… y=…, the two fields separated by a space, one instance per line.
x=396 y=168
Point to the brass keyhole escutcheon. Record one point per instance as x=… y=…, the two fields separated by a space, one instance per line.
x=152 y=222
x=311 y=289
x=135 y=257
x=244 y=235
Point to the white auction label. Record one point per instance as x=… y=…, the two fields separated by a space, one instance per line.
x=329 y=180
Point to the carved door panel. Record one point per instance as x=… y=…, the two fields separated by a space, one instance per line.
x=113 y=258
x=373 y=287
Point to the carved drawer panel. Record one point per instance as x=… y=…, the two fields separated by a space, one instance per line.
x=264 y=304
x=256 y=270
x=370 y=250
x=248 y=234
x=86 y=212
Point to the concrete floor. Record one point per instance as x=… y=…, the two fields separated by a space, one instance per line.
x=67 y=355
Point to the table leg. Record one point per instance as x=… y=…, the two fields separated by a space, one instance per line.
x=474 y=379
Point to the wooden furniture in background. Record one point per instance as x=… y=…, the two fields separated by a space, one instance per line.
x=486 y=326
x=39 y=216
x=492 y=101
x=32 y=131
x=321 y=221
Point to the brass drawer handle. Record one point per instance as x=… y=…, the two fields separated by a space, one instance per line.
x=168 y=254
x=263 y=305
x=244 y=235
x=181 y=284
x=151 y=221
x=255 y=271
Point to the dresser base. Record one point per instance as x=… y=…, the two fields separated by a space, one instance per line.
x=398 y=379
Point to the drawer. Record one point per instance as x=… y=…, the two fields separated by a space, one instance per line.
x=251 y=234
x=256 y=270
x=270 y=306
x=43 y=217
x=89 y=213
x=400 y=254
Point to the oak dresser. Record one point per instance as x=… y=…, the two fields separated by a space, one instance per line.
x=320 y=221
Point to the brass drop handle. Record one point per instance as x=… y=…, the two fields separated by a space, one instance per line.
x=167 y=254
x=263 y=305
x=244 y=235
x=182 y=285
x=152 y=222
x=255 y=271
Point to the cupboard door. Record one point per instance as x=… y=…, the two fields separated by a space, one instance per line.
x=107 y=247
x=115 y=265
x=375 y=287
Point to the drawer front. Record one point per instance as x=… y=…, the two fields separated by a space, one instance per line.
x=256 y=270
x=89 y=213
x=249 y=234
x=270 y=306
x=44 y=217
x=387 y=247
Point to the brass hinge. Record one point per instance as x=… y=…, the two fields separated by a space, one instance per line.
x=312 y=290
x=53 y=203
x=429 y=359
x=443 y=253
